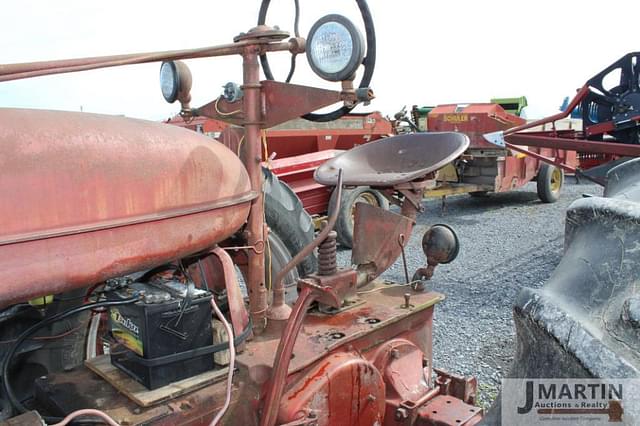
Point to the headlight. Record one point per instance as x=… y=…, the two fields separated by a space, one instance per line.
x=169 y=81
x=175 y=82
x=335 y=48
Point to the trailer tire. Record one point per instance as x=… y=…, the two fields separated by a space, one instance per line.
x=549 y=182
x=479 y=194
x=344 y=224
x=287 y=218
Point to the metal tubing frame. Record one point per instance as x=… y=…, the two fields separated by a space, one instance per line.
x=253 y=158
x=559 y=116
x=36 y=69
x=280 y=368
x=598 y=147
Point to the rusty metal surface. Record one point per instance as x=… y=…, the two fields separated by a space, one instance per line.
x=284 y=102
x=359 y=336
x=280 y=369
x=407 y=376
x=86 y=194
x=377 y=238
x=255 y=231
x=81 y=388
x=297 y=350
x=446 y=410
x=342 y=389
x=394 y=160
x=237 y=309
x=362 y=329
x=379 y=316
x=34 y=69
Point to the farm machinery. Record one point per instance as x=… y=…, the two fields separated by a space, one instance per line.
x=140 y=228
x=609 y=105
x=136 y=233
x=484 y=167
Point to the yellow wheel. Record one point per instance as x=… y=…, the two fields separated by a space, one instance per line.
x=556 y=179
x=550 y=180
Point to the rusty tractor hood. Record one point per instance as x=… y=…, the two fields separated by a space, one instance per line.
x=87 y=197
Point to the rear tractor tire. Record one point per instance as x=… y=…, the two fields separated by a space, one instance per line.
x=350 y=197
x=287 y=219
x=549 y=182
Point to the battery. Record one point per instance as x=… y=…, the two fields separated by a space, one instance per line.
x=166 y=336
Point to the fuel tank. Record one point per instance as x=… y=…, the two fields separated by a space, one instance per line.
x=86 y=197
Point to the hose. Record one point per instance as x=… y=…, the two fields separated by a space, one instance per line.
x=232 y=363
x=87 y=412
x=232 y=351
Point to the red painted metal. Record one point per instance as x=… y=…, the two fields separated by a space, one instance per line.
x=316 y=351
x=538 y=139
x=590 y=153
x=584 y=90
x=299 y=146
x=372 y=326
x=299 y=137
x=510 y=171
x=35 y=69
x=446 y=410
x=474 y=120
x=343 y=389
x=237 y=310
x=84 y=195
x=255 y=234
x=376 y=237
x=297 y=172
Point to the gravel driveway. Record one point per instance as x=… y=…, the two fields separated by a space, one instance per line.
x=508 y=241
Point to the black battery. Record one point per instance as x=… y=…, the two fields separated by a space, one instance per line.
x=166 y=336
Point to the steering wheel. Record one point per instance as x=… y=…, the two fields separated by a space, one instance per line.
x=369 y=60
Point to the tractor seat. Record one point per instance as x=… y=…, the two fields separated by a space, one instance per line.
x=392 y=161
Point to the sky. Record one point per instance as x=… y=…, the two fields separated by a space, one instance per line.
x=429 y=52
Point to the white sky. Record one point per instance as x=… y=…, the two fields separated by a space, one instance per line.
x=429 y=52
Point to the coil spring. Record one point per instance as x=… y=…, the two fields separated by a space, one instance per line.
x=327 y=259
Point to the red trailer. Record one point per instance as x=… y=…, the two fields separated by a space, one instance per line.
x=485 y=167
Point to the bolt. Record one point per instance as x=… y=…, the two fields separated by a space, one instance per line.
x=371 y=398
x=407 y=300
x=401 y=413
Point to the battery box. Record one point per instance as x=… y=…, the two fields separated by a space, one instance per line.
x=166 y=336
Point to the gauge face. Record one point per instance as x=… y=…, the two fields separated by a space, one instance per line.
x=335 y=48
x=169 y=81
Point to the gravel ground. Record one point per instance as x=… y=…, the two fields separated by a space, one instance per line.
x=507 y=241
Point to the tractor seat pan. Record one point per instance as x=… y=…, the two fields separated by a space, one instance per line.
x=392 y=161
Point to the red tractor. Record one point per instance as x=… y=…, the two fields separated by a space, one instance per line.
x=139 y=228
x=147 y=226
